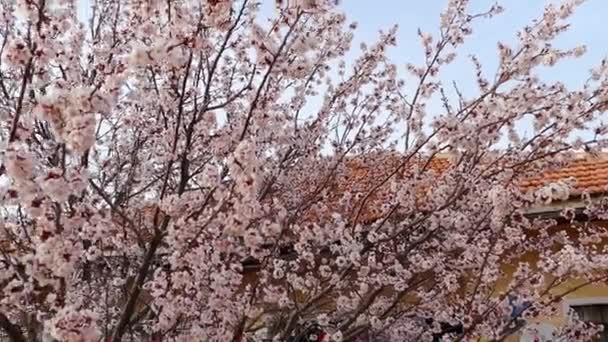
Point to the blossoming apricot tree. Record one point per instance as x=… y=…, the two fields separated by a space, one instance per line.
x=184 y=170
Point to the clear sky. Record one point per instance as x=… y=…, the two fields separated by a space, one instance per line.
x=588 y=27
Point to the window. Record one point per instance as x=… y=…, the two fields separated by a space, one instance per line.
x=594 y=313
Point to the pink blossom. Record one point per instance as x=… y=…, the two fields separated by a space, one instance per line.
x=191 y=171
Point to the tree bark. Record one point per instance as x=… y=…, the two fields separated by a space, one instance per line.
x=129 y=308
x=13 y=331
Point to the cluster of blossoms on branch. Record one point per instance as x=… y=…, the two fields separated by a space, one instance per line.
x=190 y=171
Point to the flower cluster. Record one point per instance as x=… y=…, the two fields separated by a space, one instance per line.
x=190 y=171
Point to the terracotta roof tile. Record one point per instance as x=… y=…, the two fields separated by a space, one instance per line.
x=589 y=175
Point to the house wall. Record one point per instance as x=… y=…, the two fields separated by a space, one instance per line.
x=597 y=293
x=592 y=294
x=589 y=294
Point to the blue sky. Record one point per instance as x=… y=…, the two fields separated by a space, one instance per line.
x=372 y=15
x=588 y=27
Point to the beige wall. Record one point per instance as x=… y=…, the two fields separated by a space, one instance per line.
x=595 y=293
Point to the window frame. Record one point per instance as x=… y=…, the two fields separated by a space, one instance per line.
x=569 y=303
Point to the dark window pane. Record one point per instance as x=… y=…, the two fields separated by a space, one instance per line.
x=595 y=313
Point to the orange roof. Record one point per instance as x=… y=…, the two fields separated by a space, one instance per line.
x=368 y=180
x=589 y=174
x=365 y=175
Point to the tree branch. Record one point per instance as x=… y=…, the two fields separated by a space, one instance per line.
x=14 y=332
